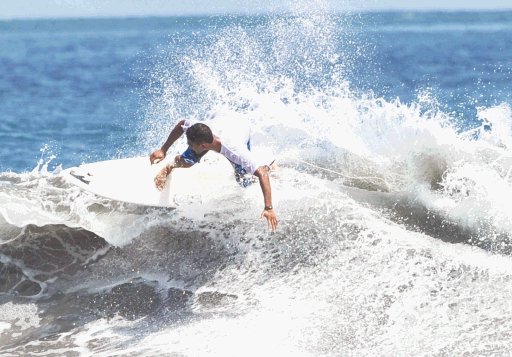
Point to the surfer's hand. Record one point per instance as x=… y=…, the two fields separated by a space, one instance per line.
x=162 y=177
x=271 y=218
x=157 y=156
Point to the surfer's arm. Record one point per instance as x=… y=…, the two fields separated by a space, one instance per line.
x=175 y=134
x=268 y=211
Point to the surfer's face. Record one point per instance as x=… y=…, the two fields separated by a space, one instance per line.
x=197 y=148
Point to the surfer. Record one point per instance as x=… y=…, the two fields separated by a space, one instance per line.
x=200 y=140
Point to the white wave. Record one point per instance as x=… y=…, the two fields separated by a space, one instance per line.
x=365 y=142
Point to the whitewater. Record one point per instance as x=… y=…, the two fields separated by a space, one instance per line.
x=394 y=233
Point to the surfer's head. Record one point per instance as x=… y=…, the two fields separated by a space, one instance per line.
x=197 y=135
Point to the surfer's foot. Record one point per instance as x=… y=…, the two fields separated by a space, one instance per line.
x=161 y=178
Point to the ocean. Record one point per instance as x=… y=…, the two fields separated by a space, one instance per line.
x=393 y=136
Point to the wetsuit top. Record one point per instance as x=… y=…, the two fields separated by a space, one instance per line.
x=235 y=136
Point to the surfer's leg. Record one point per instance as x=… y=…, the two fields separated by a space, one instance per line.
x=161 y=177
x=243 y=178
x=187 y=159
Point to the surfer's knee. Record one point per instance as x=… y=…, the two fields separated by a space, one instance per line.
x=179 y=161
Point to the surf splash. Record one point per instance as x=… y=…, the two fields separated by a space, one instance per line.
x=287 y=76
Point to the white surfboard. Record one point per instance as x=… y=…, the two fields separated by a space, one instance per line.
x=132 y=180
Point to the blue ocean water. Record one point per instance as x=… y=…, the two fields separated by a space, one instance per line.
x=393 y=133
x=462 y=58
x=80 y=87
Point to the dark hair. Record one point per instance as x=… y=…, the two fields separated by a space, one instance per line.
x=200 y=133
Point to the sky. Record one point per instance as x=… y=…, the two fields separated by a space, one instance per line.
x=15 y=9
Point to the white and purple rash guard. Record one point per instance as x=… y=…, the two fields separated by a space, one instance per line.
x=234 y=137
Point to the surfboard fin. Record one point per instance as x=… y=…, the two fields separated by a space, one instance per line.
x=80 y=177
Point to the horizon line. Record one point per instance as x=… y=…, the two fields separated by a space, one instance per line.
x=277 y=13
